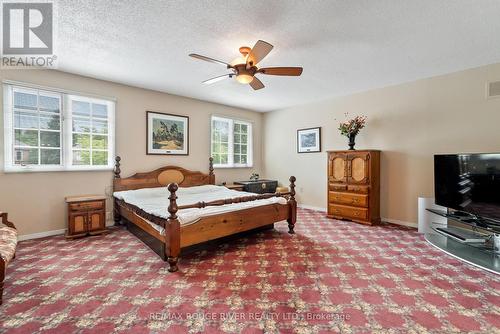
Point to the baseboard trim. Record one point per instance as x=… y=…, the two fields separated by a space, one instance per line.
x=315 y=208
x=388 y=220
x=41 y=235
x=51 y=233
x=400 y=222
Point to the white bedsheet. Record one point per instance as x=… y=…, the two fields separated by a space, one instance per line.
x=155 y=201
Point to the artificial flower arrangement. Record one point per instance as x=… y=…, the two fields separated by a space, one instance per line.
x=351 y=128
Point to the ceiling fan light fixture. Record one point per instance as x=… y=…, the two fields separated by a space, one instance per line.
x=244 y=78
x=245 y=67
x=238 y=61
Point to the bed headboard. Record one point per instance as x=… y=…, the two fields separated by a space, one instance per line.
x=161 y=177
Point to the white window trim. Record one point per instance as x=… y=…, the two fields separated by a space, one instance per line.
x=250 y=145
x=66 y=130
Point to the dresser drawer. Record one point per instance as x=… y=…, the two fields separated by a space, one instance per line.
x=359 y=189
x=86 y=206
x=348 y=212
x=337 y=187
x=348 y=199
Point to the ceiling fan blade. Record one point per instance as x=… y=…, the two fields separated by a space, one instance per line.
x=258 y=52
x=256 y=84
x=219 y=78
x=290 y=71
x=205 y=58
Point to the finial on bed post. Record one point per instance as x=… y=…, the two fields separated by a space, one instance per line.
x=117 y=169
x=292 y=217
x=173 y=230
x=211 y=174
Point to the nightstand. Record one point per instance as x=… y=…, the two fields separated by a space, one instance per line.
x=86 y=215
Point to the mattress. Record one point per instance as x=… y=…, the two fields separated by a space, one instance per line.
x=155 y=202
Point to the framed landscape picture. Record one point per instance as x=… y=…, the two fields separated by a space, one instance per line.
x=167 y=134
x=309 y=140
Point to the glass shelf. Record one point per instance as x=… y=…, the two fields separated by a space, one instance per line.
x=480 y=255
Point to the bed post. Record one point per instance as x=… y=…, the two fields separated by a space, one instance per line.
x=116 y=210
x=117 y=169
x=172 y=230
x=292 y=204
x=211 y=175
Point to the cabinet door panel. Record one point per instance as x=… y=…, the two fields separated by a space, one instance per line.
x=77 y=223
x=359 y=168
x=96 y=220
x=337 y=168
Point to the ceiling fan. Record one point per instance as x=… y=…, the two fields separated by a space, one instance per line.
x=245 y=68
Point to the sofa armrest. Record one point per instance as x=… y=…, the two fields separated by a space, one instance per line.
x=5 y=220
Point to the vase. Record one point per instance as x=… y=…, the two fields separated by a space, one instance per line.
x=352 y=138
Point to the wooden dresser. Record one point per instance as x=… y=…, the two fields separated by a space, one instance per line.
x=86 y=215
x=354 y=186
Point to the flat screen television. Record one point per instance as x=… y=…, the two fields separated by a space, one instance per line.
x=469 y=183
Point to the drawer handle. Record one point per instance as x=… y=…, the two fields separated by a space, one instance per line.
x=356 y=213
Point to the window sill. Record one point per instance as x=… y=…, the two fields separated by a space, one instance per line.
x=232 y=167
x=11 y=170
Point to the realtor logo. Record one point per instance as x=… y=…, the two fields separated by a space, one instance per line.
x=27 y=29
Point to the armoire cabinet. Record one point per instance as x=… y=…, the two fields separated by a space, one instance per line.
x=354 y=185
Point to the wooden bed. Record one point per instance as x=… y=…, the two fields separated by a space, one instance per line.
x=207 y=228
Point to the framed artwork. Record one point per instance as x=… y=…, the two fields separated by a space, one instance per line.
x=309 y=140
x=167 y=133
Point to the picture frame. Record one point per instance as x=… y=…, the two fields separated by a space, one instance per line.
x=309 y=140
x=167 y=134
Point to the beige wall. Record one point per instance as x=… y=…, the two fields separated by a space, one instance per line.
x=35 y=201
x=408 y=122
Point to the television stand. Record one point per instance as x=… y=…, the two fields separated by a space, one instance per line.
x=480 y=254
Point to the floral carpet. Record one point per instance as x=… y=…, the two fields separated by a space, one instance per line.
x=331 y=276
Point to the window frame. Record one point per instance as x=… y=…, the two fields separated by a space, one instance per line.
x=66 y=129
x=230 y=160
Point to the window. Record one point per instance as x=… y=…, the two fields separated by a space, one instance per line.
x=231 y=142
x=47 y=130
x=89 y=134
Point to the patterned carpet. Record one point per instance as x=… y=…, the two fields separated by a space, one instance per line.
x=330 y=277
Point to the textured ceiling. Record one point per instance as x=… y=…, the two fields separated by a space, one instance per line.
x=344 y=46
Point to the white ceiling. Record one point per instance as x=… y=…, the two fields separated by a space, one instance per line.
x=344 y=46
